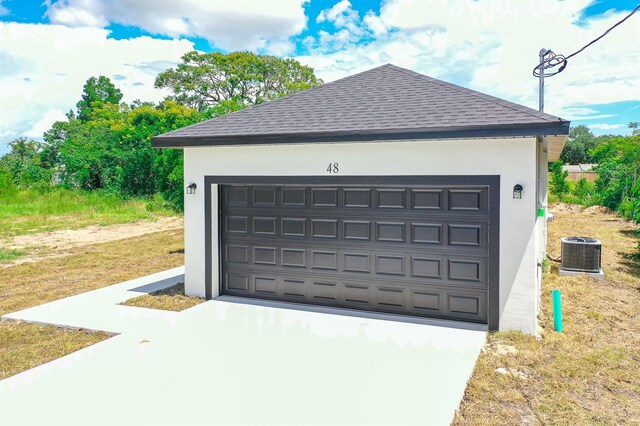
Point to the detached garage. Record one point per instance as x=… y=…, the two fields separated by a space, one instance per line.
x=387 y=191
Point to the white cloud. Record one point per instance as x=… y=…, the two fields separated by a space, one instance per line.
x=340 y=14
x=82 y=13
x=583 y=113
x=3 y=9
x=45 y=66
x=492 y=46
x=229 y=25
x=375 y=24
x=44 y=124
x=347 y=28
x=605 y=126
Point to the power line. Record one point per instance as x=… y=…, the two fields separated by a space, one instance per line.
x=552 y=60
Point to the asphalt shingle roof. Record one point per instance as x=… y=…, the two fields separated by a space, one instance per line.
x=387 y=100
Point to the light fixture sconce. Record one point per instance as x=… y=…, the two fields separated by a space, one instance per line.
x=517 y=191
x=191 y=189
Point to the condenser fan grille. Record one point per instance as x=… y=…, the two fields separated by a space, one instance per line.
x=581 y=254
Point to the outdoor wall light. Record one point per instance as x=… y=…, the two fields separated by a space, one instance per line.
x=517 y=191
x=191 y=189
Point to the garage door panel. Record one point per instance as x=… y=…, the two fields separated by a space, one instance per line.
x=264 y=196
x=294 y=227
x=390 y=265
x=237 y=282
x=356 y=198
x=356 y=262
x=394 y=297
x=391 y=198
x=237 y=224
x=418 y=251
x=324 y=228
x=471 y=201
x=294 y=257
x=324 y=290
x=324 y=197
x=468 y=270
x=426 y=267
x=294 y=197
x=421 y=267
x=426 y=301
x=373 y=279
x=467 y=200
x=426 y=233
x=264 y=255
x=427 y=199
x=464 y=235
x=293 y=289
x=357 y=230
x=357 y=294
x=264 y=284
x=236 y=196
x=237 y=253
x=325 y=260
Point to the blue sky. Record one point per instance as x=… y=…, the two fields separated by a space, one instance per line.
x=48 y=49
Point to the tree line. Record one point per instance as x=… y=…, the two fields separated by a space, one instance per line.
x=105 y=144
x=618 y=171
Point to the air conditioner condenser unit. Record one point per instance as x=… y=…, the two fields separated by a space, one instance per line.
x=581 y=255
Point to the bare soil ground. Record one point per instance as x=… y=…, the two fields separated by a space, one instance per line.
x=590 y=373
x=45 y=245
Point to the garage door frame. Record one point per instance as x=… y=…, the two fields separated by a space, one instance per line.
x=491 y=181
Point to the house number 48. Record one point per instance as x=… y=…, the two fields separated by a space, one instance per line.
x=333 y=168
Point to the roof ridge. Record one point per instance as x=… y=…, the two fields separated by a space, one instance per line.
x=512 y=105
x=272 y=101
x=384 y=99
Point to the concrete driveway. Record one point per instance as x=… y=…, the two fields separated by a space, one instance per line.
x=224 y=362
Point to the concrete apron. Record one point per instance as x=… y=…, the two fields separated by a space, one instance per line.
x=224 y=362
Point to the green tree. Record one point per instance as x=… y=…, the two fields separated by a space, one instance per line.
x=618 y=171
x=96 y=92
x=22 y=165
x=205 y=80
x=579 y=144
x=558 y=184
x=107 y=145
x=635 y=127
x=584 y=189
x=112 y=149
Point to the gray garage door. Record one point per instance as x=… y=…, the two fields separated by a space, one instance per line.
x=419 y=251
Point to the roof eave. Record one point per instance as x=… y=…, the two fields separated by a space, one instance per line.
x=520 y=130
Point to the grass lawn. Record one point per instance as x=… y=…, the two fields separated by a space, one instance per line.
x=9 y=254
x=30 y=211
x=590 y=373
x=168 y=299
x=22 y=345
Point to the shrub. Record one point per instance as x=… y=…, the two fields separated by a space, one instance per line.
x=558 y=184
x=584 y=188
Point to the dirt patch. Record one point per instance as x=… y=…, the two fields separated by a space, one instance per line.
x=499 y=349
x=597 y=210
x=565 y=208
x=57 y=243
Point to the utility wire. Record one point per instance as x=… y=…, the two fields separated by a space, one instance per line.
x=551 y=60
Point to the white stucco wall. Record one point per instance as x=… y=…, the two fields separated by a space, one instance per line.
x=513 y=159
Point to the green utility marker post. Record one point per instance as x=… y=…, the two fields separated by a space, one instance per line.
x=557 y=310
